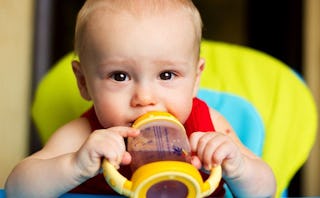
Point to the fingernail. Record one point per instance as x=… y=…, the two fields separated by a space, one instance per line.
x=137 y=130
x=215 y=165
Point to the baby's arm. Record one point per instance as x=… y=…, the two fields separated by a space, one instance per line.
x=246 y=174
x=70 y=157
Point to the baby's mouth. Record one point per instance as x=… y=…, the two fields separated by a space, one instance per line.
x=130 y=124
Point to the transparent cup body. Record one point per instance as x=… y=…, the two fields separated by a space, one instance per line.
x=159 y=141
x=168 y=189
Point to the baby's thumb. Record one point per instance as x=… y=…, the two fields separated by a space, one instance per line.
x=126 y=159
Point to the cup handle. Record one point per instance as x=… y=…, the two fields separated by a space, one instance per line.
x=123 y=186
x=212 y=182
x=115 y=180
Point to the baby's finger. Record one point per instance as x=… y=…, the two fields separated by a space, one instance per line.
x=126 y=131
x=214 y=152
x=114 y=158
x=194 y=140
x=196 y=162
x=126 y=158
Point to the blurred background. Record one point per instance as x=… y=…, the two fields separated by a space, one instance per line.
x=36 y=33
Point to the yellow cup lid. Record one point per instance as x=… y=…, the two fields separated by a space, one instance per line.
x=156 y=116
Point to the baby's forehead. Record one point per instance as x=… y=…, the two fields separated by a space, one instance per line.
x=97 y=12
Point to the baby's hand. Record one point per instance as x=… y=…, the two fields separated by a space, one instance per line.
x=215 y=148
x=104 y=143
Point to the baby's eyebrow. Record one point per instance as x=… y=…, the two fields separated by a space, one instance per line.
x=160 y=62
x=170 y=62
x=117 y=62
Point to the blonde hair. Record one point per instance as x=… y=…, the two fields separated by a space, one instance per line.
x=137 y=8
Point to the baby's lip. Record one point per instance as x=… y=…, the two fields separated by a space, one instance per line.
x=133 y=120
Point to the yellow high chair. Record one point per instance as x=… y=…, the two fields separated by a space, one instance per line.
x=268 y=105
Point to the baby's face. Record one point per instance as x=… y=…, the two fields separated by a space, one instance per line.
x=133 y=65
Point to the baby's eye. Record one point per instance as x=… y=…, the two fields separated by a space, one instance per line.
x=119 y=76
x=167 y=75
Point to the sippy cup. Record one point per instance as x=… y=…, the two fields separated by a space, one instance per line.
x=162 y=138
x=160 y=162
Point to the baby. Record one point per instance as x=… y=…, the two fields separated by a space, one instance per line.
x=137 y=56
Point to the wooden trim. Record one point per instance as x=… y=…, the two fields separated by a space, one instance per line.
x=16 y=22
x=311 y=54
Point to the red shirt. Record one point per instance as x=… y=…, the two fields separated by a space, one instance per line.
x=198 y=120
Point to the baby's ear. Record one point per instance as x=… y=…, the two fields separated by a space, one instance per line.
x=199 y=70
x=81 y=80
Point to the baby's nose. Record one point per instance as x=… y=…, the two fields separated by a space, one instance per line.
x=143 y=96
